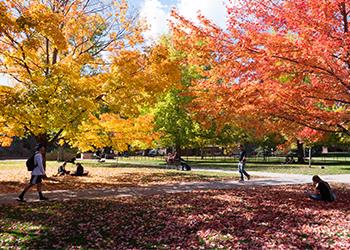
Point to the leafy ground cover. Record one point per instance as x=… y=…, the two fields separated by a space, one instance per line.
x=243 y=218
x=13 y=176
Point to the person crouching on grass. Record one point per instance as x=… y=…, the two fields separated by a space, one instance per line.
x=323 y=190
x=38 y=173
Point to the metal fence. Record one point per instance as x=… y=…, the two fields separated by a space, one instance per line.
x=325 y=158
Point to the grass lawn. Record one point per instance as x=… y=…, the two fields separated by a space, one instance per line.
x=14 y=175
x=272 y=164
x=243 y=218
x=278 y=217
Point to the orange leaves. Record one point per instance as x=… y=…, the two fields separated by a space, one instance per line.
x=141 y=77
x=5 y=141
x=287 y=57
x=310 y=135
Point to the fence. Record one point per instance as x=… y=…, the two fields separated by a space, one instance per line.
x=343 y=157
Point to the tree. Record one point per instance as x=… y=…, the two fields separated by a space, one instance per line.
x=71 y=61
x=175 y=117
x=173 y=121
x=281 y=62
x=115 y=132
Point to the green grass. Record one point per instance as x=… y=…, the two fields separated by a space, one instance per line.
x=272 y=164
x=320 y=165
x=19 y=165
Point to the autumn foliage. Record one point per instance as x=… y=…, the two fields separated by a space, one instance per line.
x=278 y=65
x=70 y=61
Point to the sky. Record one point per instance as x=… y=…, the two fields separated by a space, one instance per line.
x=157 y=12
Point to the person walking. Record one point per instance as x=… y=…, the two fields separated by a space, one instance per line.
x=37 y=174
x=242 y=162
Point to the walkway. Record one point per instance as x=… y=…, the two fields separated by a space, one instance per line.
x=293 y=178
x=289 y=178
x=267 y=179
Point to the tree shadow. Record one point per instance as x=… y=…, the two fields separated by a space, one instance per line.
x=105 y=182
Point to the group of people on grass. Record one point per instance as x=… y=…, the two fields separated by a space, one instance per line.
x=61 y=171
x=322 y=188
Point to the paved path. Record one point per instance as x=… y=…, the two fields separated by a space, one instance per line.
x=340 y=178
x=267 y=179
x=297 y=178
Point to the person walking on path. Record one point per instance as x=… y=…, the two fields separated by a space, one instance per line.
x=242 y=161
x=38 y=173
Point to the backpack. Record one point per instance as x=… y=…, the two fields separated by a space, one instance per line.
x=30 y=163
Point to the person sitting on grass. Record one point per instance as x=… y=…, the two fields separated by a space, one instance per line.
x=80 y=171
x=184 y=165
x=323 y=190
x=62 y=170
x=289 y=160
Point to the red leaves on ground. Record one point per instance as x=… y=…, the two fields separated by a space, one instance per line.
x=14 y=180
x=245 y=218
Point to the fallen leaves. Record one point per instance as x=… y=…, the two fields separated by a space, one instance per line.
x=243 y=218
x=14 y=179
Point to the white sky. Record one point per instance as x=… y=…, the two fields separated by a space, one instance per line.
x=157 y=12
x=4 y=80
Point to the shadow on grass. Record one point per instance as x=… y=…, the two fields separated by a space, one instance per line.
x=240 y=218
x=110 y=182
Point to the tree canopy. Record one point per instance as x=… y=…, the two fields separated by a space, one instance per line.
x=279 y=65
x=73 y=62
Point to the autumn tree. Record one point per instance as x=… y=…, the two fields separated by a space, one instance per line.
x=279 y=64
x=175 y=118
x=73 y=62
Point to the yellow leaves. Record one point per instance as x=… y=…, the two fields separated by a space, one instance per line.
x=7 y=131
x=45 y=22
x=139 y=78
x=112 y=130
x=5 y=141
x=57 y=55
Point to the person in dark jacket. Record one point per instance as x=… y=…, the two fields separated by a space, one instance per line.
x=80 y=170
x=323 y=190
x=242 y=162
x=62 y=170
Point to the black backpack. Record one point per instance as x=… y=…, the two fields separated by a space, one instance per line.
x=30 y=163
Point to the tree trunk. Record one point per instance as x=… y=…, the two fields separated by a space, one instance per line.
x=202 y=153
x=60 y=153
x=300 y=152
x=310 y=157
x=178 y=149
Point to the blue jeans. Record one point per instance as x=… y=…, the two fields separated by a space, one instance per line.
x=316 y=197
x=241 y=170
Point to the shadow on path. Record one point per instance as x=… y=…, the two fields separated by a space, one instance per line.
x=148 y=190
